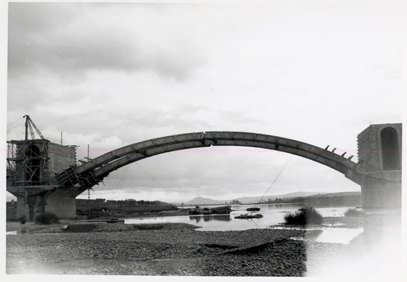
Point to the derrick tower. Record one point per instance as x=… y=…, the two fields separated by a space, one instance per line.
x=31 y=168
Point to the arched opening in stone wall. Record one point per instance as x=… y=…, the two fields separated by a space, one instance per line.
x=32 y=171
x=390 y=149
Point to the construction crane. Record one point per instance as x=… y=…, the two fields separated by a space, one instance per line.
x=30 y=124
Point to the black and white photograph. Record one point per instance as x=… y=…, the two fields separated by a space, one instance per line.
x=217 y=139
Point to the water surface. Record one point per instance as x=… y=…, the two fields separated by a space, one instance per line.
x=273 y=214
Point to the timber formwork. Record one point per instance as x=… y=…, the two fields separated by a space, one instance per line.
x=31 y=169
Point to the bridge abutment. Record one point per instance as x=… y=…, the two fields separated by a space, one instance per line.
x=380 y=162
x=64 y=206
x=32 y=201
x=381 y=194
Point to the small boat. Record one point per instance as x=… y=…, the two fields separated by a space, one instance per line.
x=247 y=216
x=253 y=209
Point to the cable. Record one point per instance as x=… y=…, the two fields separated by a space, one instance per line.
x=275 y=179
x=151 y=176
x=119 y=186
x=253 y=221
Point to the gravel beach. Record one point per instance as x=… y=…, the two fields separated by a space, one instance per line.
x=175 y=249
x=172 y=249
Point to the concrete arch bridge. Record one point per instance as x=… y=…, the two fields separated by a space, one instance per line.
x=57 y=192
x=91 y=173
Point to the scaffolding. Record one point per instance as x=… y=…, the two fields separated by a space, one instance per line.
x=27 y=162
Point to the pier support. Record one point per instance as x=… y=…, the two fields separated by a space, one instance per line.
x=31 y=201
x=381 y=193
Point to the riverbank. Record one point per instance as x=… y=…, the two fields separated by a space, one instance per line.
x=175 y=249
x=180 y=249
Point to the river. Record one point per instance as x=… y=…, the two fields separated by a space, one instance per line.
x=273 y=214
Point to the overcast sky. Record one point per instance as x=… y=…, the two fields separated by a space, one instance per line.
x=109 y=75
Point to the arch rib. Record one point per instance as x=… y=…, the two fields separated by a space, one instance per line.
x=101 y=166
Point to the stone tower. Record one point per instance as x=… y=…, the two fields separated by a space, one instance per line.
x=380 y=161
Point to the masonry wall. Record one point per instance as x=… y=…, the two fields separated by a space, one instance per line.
x=381 y=187
x=381 y=194
x=21 y=208
x=29 y=206
x=60 y=157
x=370 y=148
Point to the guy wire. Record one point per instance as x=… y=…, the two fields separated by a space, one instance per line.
x=275 y=179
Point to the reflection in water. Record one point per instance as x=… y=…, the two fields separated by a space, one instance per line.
x=209 y=217
x=273 y=214
x=372 y=245
x=329 y=235
x=337 y=235
x=381 y=227
x=373 y=250
x=196 y=218
x=312 y=235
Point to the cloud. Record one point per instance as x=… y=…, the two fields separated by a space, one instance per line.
x=109 y=75
x=77 y=37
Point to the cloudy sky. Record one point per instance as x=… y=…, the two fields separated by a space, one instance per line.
x=109 y=75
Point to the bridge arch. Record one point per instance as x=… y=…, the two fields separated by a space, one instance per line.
x=390 y=149
x=93 y=172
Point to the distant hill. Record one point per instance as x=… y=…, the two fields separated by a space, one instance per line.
x=203 y=201
x=340 y=199
x=296 y=196
x=299 y=194
x=342 y=194
x=249 y=200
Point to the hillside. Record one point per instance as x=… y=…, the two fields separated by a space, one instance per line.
x=297 y=197
x=248 y=200
x=344 y=198
x=203 y=201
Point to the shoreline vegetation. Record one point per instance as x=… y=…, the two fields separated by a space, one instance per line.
x=304 y=216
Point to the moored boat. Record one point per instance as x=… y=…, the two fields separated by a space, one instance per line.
x=253 y=209
x=247 y=216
